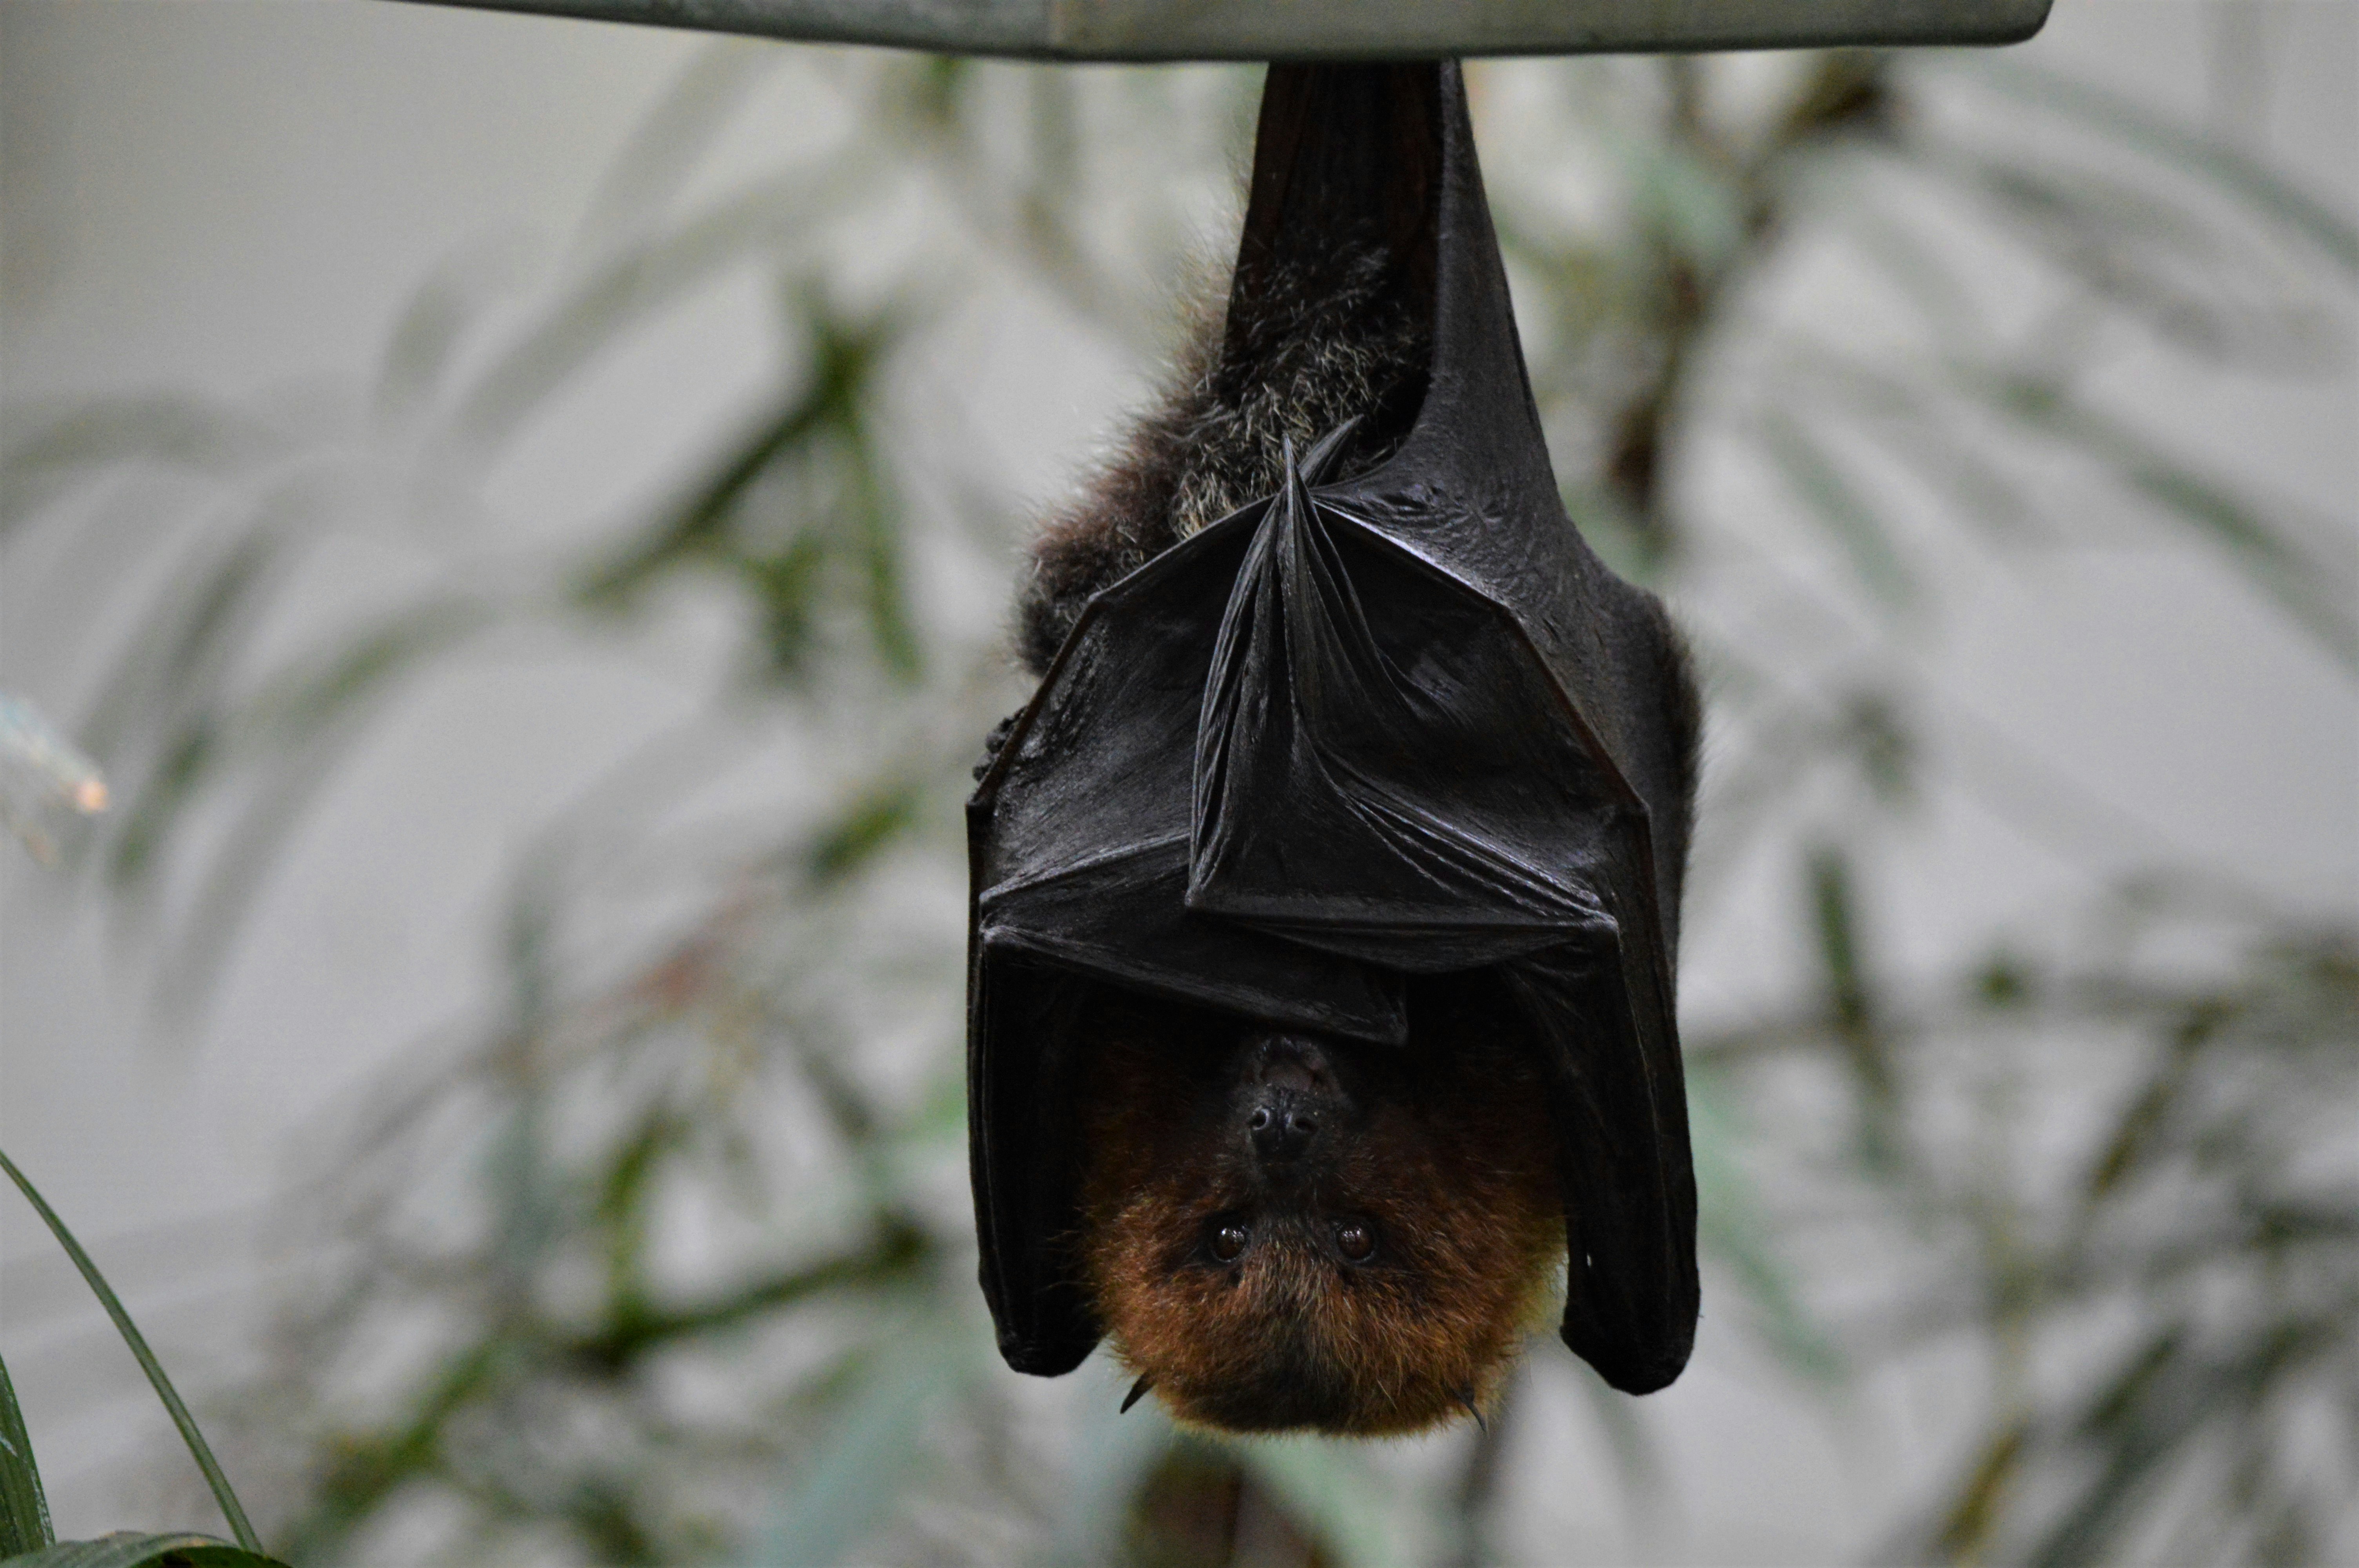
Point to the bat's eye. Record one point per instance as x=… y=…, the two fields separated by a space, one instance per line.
x=1356 y=1240
x=1228 y=1241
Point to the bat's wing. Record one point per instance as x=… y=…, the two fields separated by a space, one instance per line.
x=1404 y=723
x=1439 y=734
x=1388 y=769
x=1078 y=846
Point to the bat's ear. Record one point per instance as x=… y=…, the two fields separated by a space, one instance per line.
x=1346 y=157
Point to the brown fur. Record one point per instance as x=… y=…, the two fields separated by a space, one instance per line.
x=1449 y=1153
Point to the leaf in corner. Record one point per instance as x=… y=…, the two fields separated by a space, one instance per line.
x=134 y=1548
x=24 y=1511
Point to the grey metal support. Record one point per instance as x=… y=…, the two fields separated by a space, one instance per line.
x=1147 y=30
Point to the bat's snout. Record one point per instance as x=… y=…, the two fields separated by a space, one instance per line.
x=1282 y=1129
x=1292 y=1097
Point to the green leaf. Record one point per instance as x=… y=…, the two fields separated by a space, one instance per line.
x=321 y=690
x=890 y=623
x=868 y=826
x=663 y=152
x=787 y=586
x=1974 y=1510
x=729 y=519
x=197 y=1448
x=2169 y=143
x=1977 y=486
x=774 y=215
x=2316 y=596
x=426 y=338
x=192 y=632
x=2175 y=270
x=24 y=1511
x=163 y=430
x=131 y=1548
x=1855 y=1013
x=700 y=525
x=1835 y=917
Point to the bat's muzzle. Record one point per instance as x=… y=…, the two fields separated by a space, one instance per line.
x=1292 y=1097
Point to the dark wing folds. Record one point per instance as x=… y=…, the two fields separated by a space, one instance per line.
x=1406 y=723
x=1381 y=765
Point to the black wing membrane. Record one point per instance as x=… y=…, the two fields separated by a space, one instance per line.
x=1403 y=723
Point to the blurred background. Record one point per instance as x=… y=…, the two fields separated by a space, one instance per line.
x=522 y=510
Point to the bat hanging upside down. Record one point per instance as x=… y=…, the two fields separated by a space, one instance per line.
x=1325 y=898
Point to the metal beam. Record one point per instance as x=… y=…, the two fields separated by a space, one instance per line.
x=1148 y=30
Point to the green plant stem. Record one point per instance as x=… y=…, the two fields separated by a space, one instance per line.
x=197 y=1448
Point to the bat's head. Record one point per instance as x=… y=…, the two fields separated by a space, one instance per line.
x=1283 y=1230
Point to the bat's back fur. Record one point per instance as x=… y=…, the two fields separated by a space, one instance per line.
x=1333 y=338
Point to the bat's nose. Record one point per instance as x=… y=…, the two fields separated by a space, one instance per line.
x=1282 y=1129
x=1292 y=1095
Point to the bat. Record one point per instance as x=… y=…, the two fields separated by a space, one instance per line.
x=1325 y=895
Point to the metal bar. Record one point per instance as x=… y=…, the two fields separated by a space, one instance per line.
x=1168 y=30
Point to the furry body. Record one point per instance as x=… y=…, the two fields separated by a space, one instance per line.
x=1279 y=1228
x=1335 y=338
x=1450 y=1155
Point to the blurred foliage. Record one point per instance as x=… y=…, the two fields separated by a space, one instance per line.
x=26 y=1513
x=26 y=1536
x=670 y=1260
x=2169 y=1305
